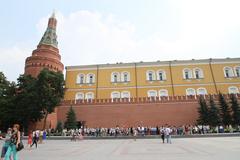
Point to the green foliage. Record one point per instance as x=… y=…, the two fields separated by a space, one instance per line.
x=27 y=101
x=31 y=99
x=203 y=112
x=225 y=111
x=50 y=91
x=213 y=114
x=7 y=101
x=71 y=122
x=235 y=110
x=59 y=127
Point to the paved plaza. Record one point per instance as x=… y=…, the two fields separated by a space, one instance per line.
x=143 y=149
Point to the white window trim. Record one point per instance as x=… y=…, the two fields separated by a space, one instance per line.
x=88 y=77
x=114 y=92
x=163 y=73
x=153 y=75
x=235 y=70
x=86 y=95
x=193 y=91
x=112 y=77
x=202 y=89
x=124 y=92
x=76 y=96
x=201 y=75
x=231 y=73
x=79 y=79
x=190 y=73
x=148 y=93
x=128 y=76
x=165 y=90
x=229 y=89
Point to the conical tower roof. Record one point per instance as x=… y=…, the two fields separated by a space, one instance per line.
x=50 y=36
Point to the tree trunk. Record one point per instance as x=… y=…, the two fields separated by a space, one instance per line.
x=45 y=121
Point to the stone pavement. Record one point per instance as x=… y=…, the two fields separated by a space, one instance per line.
x=221 y=148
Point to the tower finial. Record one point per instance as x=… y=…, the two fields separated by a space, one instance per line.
x=53 y=14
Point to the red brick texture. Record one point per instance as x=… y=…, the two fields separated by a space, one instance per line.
x=148 y=114
x=44 y=56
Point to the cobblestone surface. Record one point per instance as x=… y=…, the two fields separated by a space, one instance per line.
x=224 y=148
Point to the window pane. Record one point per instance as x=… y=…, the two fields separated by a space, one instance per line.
x=197 y=74
x=125 y=77
x=227 y=73
x=81 y=79
x=238 y=72
x=115 y=78
x=150 y=76
x=160 y=76
x=186 y=75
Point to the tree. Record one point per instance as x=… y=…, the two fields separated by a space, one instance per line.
x=71 y=122
x=27 y=102
x=59 y=127
x=7 y=96
x=213 y=114
x=203 y=112
x=225 y=111
x=235 y=110
x=50 y=87
x=19 y=102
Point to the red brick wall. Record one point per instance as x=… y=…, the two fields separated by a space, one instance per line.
x=148 y=114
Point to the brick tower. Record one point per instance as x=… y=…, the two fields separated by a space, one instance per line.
x=47 y=54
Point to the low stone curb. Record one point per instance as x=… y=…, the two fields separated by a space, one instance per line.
x=145 y=137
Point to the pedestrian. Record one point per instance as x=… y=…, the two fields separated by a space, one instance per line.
x=162 y=131
x=34 y=140
x=168 y=132
x=44 y=135
x=40 y=137
x=30 y=138
x=7 y=141
x=14 y=144
x=135 y=132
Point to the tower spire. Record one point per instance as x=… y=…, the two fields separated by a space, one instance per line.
x=50 y=37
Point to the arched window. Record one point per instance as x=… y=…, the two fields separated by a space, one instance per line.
x=125 y=76
x=190 y=92
x=228 y=72
x=115 y=77
x=125 y=94
x=187 y=73
x=163 y=93
x=90 y=78
x=150 y=75
x=198 y=73
x=115 y=94
x=89 y=95
x=152 y=93
x=79 y=96
x=237 y=71
x=201 y=91
x=161 y=75
x=233 y=90
x=80 y=78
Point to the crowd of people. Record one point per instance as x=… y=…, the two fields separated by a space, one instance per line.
x=143 y=131
x=36 y=137
x=13 y=144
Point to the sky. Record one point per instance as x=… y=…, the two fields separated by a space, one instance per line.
x=111 y=31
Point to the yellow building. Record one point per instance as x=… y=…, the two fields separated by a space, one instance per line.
x=150 y=79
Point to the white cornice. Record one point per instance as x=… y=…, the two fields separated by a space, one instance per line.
x=154 y=64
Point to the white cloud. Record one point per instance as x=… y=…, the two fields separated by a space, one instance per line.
x=206 y=29
x=12 y=61
x=89 y=37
